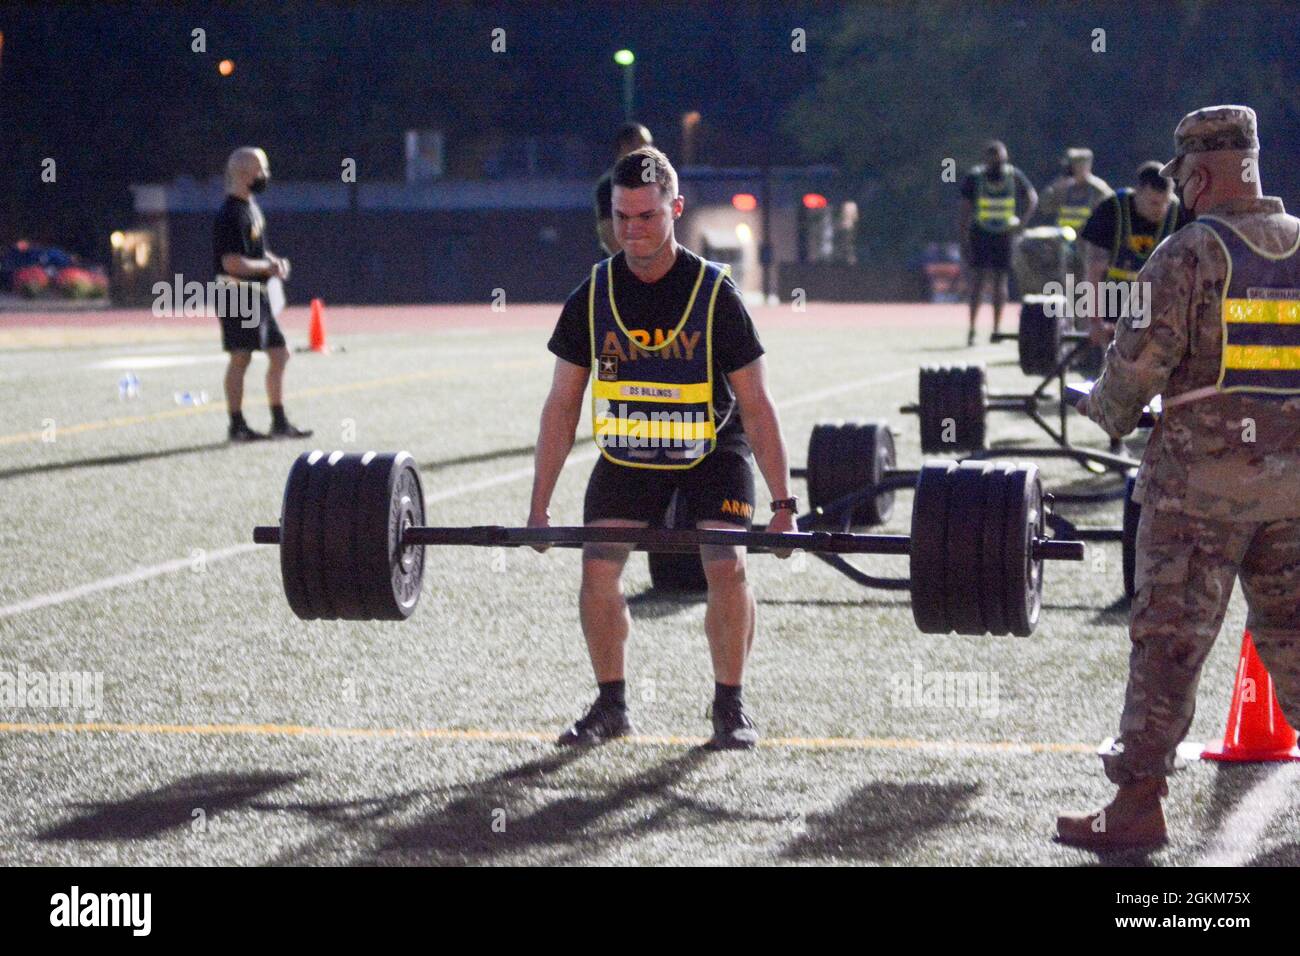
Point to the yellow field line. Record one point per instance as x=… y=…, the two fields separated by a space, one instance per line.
x=442 y=733
x=128 y=420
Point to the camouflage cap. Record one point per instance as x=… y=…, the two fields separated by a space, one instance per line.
x=1213 y=128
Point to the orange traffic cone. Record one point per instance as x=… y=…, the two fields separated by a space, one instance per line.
x=1257 y=728
x=316 y=339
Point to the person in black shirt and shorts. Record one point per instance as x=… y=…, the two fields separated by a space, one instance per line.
x=1124 y=230
x=995 y=199
x=631 y=136
x=242 y=262
x=675 y=363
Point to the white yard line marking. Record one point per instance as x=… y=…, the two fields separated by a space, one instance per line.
x=180 y=564
x=1239 y=836
x=121 y=580
x=132 y=362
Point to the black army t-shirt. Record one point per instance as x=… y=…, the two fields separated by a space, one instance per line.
x=1100 y=227
x=661 y=305
x=240 y=228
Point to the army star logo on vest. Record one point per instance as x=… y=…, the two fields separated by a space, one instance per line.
x=608 y=371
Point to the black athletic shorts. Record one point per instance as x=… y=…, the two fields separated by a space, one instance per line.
x=720 y=488
x=990 y=250
x=238 y=334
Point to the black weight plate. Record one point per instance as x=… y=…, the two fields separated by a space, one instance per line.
x=677 y=573
x=823 y=462
x=975 y=399
x=966 y=399
x=878 y=443
x=342 y=574
x=1128 y=543
x=390 y=499
x=291 y=509
x=312 y=552
x=406 y=510
x=943 y=411
x=844 y=459
x=963 y=546
x=992 y=575
x=1023 y=591
x=928 y=551
x=673 y=571
x=374 y=496
x=930 y=403
x=816 y=461
x=852 y=471
x=1039 y=339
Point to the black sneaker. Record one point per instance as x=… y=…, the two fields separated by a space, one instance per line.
x=970 y=338
x=732 y=728
x=242 y=433
x=601 y=723
x=289 y=431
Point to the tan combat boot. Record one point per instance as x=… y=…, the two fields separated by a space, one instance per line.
x=1132 y=820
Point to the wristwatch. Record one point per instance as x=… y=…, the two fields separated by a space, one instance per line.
x=785 y=504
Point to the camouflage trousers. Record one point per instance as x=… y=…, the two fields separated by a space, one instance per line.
x=1185 y=571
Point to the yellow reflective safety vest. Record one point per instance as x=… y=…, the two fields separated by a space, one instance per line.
x=1129 y=252
x=995 y=202
x=652 y=389
x=1072 y=217
x=1261 y=317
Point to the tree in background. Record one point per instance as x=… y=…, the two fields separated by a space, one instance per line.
x=901 y=90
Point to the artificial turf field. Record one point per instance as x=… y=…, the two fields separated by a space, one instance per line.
x=231 y=733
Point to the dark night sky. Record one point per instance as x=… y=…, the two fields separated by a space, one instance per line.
x=115 y=95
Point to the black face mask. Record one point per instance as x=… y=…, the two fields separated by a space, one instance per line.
x=1178 y=194
x=258 y=184
x=995 y=170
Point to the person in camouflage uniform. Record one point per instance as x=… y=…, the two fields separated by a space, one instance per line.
x=1220 y=481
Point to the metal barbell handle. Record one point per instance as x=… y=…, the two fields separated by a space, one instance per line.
x=680 y=540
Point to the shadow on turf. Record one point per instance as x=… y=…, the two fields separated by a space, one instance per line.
x=154 y=812
x=650 y=604
x=531 y=815
x=880 y=819
x=500 y=453
x=129 y=459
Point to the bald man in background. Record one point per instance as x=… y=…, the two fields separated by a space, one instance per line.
x=241 y=257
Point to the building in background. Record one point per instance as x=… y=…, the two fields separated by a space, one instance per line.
x=522 y=223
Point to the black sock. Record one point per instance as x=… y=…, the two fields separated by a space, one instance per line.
x=277 y=416
x=726 y=693
x=613 y=693
x=237 y=420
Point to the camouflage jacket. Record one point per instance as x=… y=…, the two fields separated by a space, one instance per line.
x=1230 y=457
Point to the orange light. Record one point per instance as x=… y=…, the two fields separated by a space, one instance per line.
x=226 y=67
x=814 y=201
x=745 y=202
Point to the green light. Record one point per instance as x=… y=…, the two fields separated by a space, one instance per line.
x=624 y=58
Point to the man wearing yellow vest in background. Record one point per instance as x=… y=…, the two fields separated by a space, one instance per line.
x=1220 y=480
x=1071 y=198
x=995 y=199
x=675 y=365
